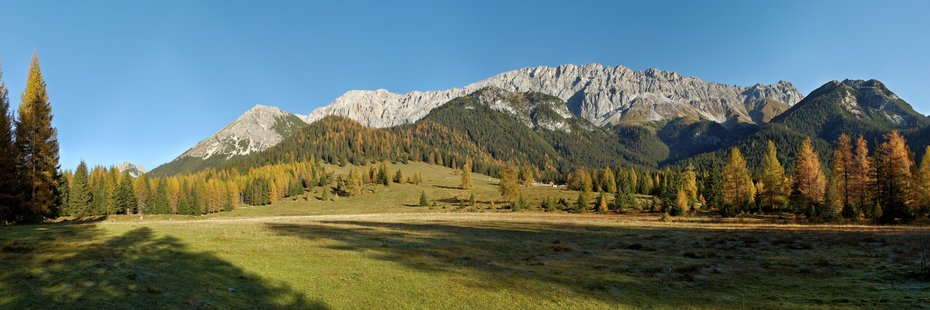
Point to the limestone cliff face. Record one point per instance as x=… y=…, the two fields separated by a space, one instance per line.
x=601 y=95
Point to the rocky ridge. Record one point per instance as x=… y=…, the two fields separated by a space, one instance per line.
x=599 y=94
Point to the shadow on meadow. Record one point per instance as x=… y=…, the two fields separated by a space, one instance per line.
x=56 y=266
x=647 y=267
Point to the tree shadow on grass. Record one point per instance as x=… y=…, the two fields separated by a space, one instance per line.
x=66 y=266
x=631 y=266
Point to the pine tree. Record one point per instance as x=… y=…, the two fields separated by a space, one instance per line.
x=509 y=187
x=623 y=198
x=160 y=200
x=581 y=204
x=526 y=176
x=125 y=195
x=774 y=193
x=100 y=192
x=713 y=189
x=609 y=184
x=326 y=194
x=423 y=200
x=842 y=173
x=894 y=188
x=37 y=142
x=738 y=188
x=399 y=177
x=810 y=183
x=471 y=200
x=466 y=174
x=383 y=174
x=80 y=195
x=11 y=194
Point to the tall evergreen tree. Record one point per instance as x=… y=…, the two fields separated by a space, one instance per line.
x=80 y=196
x=713 y=188
x=609 y=184
x=37 y=141
x=10 y=187
x=160 y=200
x=125 y=194
x=774 y=193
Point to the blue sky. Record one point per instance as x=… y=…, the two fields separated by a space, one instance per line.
x=142 y=81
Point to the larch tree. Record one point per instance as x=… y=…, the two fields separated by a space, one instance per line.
x=37 y=142
x=861 y=181
x=689 y=184
x=466 y=174
x=738 y=188
x=810 y=183
x=843 y=167
x=774 y=192
x=527 y=176
x=354 y=183
x=894 y=190
x=510 y=188
x=923 y=182
x=609 y=184
x=10 y=187
x=682 y=205
x=143 y=192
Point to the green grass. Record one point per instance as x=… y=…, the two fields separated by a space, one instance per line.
x=377 y=251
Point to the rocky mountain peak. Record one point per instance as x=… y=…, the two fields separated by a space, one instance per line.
x=133 y=169
x=255 y=130
x=599 y=94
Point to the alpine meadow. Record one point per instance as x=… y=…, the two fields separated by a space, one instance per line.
x=531 y=176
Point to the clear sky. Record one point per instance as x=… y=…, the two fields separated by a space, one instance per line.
x=143 y=81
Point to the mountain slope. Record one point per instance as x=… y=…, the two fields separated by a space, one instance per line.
x=851 y=106
x=258 y=129
x=598 y=94
x=854 y=107
x=490 y=126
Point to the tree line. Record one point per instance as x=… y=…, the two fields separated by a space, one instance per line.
x=882 y=184
x=106 y=191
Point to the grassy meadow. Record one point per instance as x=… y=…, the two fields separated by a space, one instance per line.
x=381 y=250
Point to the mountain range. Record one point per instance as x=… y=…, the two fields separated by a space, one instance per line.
x=568 y=116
